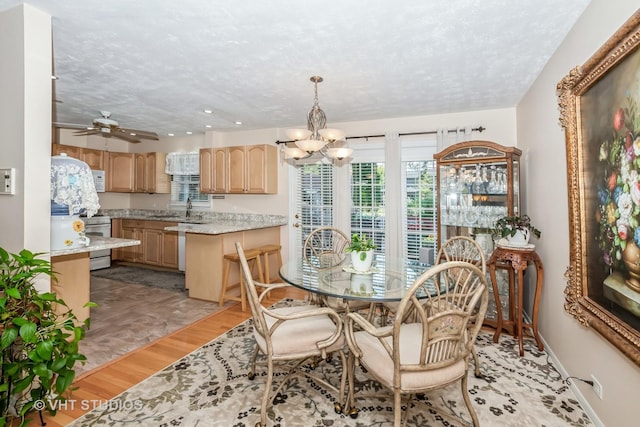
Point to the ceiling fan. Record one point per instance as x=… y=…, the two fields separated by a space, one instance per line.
x=107 y=127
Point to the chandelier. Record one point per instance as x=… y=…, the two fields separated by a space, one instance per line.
x=317 y=138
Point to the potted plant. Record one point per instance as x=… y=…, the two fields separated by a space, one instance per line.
x=517 y=229
x=39 y=339
x=361 y=249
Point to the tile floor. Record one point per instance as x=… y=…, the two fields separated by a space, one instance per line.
x=131 y=315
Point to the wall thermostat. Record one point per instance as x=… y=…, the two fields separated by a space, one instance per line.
x=8 y=181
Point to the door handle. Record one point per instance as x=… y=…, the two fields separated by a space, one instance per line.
x=296 y=225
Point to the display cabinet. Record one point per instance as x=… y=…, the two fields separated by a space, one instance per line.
x=477 y=182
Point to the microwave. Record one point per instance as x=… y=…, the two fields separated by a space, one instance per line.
x=99 y=181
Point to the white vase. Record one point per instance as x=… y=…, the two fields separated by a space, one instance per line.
x=362 y=263
x=521 y=238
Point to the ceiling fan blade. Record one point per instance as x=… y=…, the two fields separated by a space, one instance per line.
x=122 y=135
x=141 y=133
x=70 y=126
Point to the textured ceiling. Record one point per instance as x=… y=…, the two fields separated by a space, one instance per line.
x=157 y=64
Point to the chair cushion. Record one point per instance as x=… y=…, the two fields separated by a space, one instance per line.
x=377 y=361
x=297 y=338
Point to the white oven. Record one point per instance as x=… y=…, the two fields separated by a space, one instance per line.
x=98 y=226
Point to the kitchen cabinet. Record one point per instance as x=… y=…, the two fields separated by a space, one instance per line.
x=92 y=157
x=239 y=169
x=69 y=150
x=120 y=172
x=253 y=169
x=158 y=247
x=213 y=170
x=133 y=229
x=169 y=247
x=149 y=173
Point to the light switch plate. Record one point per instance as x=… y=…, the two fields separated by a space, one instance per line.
x=8 y=181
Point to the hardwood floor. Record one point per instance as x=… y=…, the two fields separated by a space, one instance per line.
x=103 y=383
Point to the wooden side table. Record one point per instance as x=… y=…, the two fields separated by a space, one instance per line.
x=519 y=259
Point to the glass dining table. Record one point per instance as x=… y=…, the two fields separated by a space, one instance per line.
x=387 y=281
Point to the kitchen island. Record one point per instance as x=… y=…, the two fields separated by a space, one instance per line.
x=206 y=245
x=71 y=267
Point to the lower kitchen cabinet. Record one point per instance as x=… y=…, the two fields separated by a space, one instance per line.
x=159 y=247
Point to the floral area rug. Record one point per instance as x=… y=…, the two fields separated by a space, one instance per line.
x=209 y=387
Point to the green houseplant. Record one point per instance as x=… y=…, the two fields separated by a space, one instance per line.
x=509 y=226
x=39 y=339
x=361 y=248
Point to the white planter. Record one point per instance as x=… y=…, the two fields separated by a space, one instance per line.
x=521 y=238
x=362 y=263
x=67 y=232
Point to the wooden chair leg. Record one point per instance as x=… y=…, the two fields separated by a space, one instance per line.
x=225 y=281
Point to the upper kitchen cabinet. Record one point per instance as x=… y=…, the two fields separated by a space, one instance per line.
x=92 y=157
x=149 y=173
x=478 y=182
x=239 y=170
x=213 y=170
x=120 y=172
x=253 y=169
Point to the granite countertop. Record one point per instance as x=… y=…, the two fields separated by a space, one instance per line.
x=97 y=243
x=202 y=222
x=225 y=227
x=197 y=217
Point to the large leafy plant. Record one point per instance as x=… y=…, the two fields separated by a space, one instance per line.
x=38 y=341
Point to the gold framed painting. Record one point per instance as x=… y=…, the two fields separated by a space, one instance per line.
x=600 y=112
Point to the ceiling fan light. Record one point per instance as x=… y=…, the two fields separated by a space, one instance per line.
x=298 y=134
x=331 y=134
x=311 y=145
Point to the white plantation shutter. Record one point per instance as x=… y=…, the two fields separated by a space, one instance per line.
x=315 y=197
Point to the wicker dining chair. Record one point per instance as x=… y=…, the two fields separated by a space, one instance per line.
x=463 y=248
x=290 y=337
x=429 y=342
x=325 y=247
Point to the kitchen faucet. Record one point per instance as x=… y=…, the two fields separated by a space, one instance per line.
x=189 y=206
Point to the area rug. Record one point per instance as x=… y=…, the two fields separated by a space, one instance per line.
x=144 y=276
x=209 y=387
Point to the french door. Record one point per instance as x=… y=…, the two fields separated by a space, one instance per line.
x=397 y=211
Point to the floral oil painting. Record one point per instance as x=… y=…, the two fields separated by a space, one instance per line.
x=600 y=112
x=611 y=130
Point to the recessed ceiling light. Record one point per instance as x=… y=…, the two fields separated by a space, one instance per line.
x=238 y=122
x=208 y=111
x=170 y=134
x=208 y=126
x=132 y=134
x=189 y=132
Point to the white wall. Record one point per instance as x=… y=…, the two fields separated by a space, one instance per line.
x=581 y=351
x=25 y=115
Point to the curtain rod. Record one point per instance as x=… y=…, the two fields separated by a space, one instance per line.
x=429 y=132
